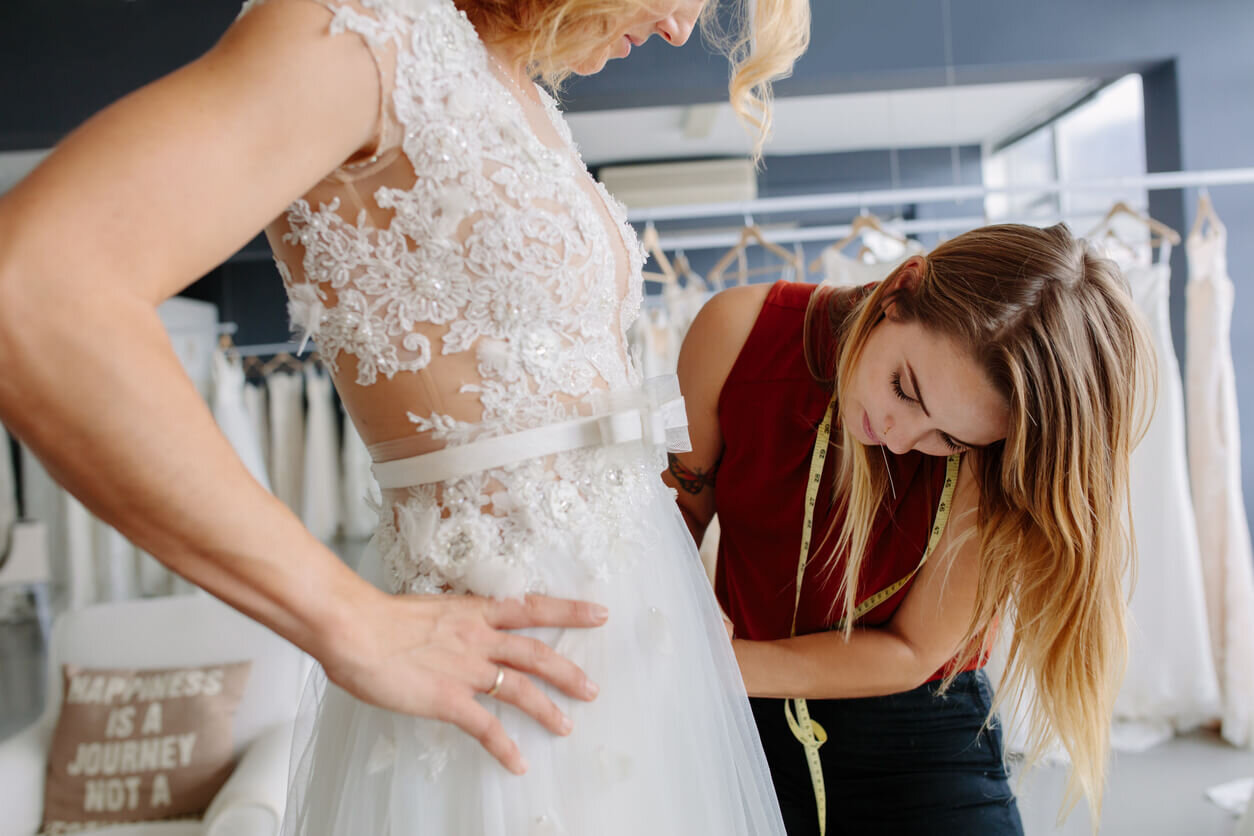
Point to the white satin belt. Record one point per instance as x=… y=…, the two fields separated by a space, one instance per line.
x=654 y=414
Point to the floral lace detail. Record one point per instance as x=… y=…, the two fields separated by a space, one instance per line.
x=495 y=248
x=379 y=298
x=443 y=427
x=510 y=532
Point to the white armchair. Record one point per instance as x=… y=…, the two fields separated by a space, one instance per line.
x=168 y=632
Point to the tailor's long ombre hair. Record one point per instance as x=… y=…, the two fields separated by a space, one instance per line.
x=762 y=38
x=1055 y=330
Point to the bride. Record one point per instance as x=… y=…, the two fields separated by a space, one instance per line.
x=469 y=286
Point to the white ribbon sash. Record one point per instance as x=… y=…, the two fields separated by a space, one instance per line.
x=654 y=415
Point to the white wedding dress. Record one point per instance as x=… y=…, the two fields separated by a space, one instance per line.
x=285 y=396
x=470 y=287
x=1170 y=685
x=840 y=270
x=320 y=477
x=257 y=405
x=1223 y=531
x=359 y=495
x=230 y=410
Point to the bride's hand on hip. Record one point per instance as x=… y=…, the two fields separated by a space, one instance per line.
x=430 y=655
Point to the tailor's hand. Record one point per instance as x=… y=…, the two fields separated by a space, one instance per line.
x=428 y=655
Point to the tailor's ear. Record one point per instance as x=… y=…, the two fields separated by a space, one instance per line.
x=905 y=279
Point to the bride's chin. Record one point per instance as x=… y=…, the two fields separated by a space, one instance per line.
x=591 y=65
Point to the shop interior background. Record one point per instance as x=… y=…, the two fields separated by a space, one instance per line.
x=894 y=94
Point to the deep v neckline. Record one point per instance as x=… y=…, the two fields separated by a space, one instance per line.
x=581 y=178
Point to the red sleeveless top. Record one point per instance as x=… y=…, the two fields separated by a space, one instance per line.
x=769 y=412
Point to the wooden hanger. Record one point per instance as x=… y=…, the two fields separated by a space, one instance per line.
x=254 y=367
x=250 y=366
x=683 y=270
x=1110 y=237
x=1206 y=212
x=1164 y=232
x=752 y=234
x=860 y=225
x=282 y=362
x=799 y=256
x=653 y=244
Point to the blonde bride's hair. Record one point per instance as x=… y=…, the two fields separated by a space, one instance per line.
x=1054 y=328
x=762 y=39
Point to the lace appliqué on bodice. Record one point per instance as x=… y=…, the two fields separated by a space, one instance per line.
x=549 y=523
x=495 y=240
x=492 y=247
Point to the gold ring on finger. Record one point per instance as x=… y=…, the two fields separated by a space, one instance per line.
x=500 y=678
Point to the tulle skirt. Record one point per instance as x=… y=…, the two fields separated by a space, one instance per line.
x=669 y=747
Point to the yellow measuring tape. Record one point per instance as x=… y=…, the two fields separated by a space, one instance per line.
x=810 y=734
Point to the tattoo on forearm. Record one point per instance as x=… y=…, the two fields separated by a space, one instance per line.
x=693 y=481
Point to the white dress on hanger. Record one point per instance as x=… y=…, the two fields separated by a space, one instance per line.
x=258 y=408
x=11 y=601
x=117 y=570
x=155 y=580
x=231 y=413
x=469 y=289
x=684 y=303
x=1170 y=684
x=655 y=340
x=8 y=485
x=285 y=391
x=359 y=515
x=71 y=552
x=839 y=270
x=79 y=559
x=42 y=500
x=320 y=494
x=1215 y=468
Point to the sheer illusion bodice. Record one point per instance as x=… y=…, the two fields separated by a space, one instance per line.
x=468 y=277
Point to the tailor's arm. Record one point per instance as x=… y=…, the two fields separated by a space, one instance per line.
x=925 y=632
x=710 y=349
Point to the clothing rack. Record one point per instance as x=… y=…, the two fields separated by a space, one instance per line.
x=807 y=234
x=267 y=349
x=939 y=194
x=222 y=329
x=801 y=235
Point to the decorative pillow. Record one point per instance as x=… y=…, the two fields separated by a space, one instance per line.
x=140 y=745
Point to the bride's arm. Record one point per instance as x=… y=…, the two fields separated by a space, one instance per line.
x=134 y=206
